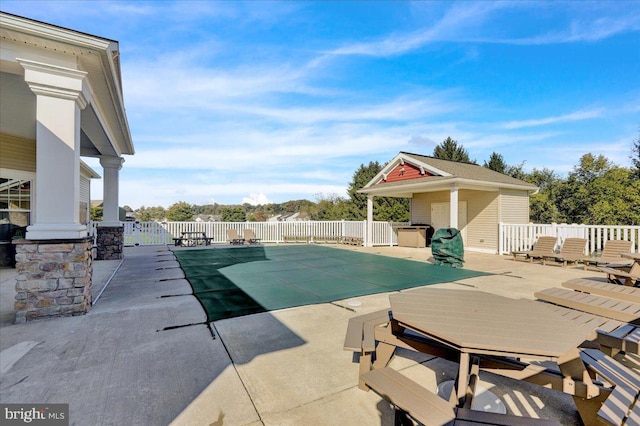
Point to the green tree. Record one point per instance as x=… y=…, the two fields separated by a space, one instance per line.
x=496 y=163
x=362 y=176
x=517 y=172
x=635 y=157
x=450 y=150
x=233 y=214
x=542 y=205
x=616 y=198
x=384 y=208
x=179 y=212
x=600 y=193
x=96 y=213
x=148 y=214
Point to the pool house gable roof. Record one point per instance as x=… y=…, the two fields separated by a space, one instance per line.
x=409 y=173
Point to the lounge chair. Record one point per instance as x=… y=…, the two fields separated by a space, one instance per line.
x=250 y=236
x=233 y=238
x=572 y=251
x=616 y=309
x=543 y=246
x=610 y=254
x=630 y=277
x=612 y=335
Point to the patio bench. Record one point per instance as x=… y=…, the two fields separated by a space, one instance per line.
x=325 y=239
x=295 y=239
x=419 y=403
x=352 y=241
x=360 y=338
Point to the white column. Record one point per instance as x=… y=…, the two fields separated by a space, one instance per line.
x=59 y=100
x=369 y=240
x=453 y=208
x=110 y=189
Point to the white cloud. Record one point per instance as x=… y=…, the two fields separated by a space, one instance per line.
x=256 y=199
x=574 y=116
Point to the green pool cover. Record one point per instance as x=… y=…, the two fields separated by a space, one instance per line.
x=231 y=282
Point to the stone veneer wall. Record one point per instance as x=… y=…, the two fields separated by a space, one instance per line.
x=54 y=278
x=110 y=241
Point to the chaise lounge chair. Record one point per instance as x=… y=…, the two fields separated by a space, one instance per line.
x=572 y=251
x=610 y=254
x=250 y=236
x=543 y=246
x=233 y=238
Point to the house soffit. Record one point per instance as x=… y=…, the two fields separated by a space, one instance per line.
x=97 y=56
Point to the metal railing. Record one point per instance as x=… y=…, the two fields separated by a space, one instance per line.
x=516 y=237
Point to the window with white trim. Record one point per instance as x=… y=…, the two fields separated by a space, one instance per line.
x=15 y=201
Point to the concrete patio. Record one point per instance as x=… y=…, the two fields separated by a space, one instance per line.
x=145 y=354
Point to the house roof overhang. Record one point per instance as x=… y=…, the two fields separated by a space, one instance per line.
x=105 y=128
x=438 y=180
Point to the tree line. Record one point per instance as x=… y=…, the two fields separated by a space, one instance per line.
x=596 y=192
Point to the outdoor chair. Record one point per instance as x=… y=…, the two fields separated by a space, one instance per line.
x=250 y=236
x=543 y=246
x=622 y=406
x=572 y=251
x=233 y=238
x=610 y=254
x=411 y=399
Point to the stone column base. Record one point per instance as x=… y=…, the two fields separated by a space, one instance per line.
x=110 y=242
x=54 y=278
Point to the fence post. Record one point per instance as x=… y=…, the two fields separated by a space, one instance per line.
x=500 y=238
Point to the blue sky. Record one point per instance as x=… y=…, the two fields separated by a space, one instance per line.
x=261 y=101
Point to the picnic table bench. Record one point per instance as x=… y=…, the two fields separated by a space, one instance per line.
x=192 y=239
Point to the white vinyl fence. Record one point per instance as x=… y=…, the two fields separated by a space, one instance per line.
x=160 y=233
x=514 y=237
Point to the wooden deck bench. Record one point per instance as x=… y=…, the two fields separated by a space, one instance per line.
x=409 y=398
x=360 y=338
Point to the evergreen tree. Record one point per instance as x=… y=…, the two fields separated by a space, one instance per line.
x=496 y=163
x=450 y=150
x=384 y=208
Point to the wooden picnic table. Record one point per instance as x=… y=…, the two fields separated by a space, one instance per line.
x=192 y=239
x=479 y=323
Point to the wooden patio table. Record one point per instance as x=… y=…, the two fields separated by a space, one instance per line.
x=479 y=323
